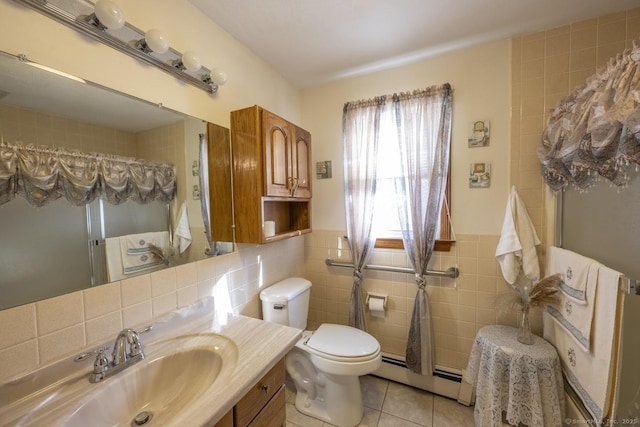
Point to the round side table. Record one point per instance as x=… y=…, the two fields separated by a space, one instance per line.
x=523 y=380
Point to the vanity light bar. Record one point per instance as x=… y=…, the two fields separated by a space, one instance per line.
x=74 y=14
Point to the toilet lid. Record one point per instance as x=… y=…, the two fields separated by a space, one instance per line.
x=343 y=341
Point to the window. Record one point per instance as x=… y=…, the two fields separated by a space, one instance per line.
x=386 y=221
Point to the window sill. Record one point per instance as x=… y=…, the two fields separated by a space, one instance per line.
x=440 y=246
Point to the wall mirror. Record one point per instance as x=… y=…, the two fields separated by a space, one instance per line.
x=60 y=248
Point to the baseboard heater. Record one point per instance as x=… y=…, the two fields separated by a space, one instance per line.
x=444 y=381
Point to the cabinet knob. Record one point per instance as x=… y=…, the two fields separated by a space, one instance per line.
x=265 y=388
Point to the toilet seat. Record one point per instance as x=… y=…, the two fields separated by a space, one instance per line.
x=342 y=344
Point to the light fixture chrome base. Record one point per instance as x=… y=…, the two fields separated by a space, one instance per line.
x=77 y=14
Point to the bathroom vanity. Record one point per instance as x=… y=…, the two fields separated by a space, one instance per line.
x=263 y=405
x=201 y=368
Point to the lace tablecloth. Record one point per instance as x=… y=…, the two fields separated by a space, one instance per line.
x=523 y=380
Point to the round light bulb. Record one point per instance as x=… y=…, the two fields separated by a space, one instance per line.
x=109 y=14
x=218 y=76
x=191 y=61
x=157 y=41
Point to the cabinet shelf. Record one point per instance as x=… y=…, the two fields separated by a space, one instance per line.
x=292 y=217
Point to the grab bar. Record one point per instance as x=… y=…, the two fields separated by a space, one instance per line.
x=451 y=272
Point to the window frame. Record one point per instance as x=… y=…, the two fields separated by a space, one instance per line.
x=444 y=242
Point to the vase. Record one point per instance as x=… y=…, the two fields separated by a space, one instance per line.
x=524 y=327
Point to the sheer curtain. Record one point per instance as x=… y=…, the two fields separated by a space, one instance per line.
x=424 y=132
x=360 y=133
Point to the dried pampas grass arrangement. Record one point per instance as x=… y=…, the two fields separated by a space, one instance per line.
x=160 y=254
x=541 y=294
x=545 y=292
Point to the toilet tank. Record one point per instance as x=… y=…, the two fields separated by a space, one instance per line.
x=287 y=302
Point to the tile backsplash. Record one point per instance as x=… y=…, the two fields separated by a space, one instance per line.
x=459 y=307
x=37 y=334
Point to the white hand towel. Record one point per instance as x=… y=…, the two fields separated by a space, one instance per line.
x=133 y=244
x=115 y=270
x=182 y=230
x=136 y=253
x=575 y=270
x=518 y=240
x=589 y=373
x=577 y=319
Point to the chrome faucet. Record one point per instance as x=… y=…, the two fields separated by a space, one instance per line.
x=127 y=351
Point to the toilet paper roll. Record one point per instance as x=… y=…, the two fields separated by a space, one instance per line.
x=376 y=307
x=269 y=228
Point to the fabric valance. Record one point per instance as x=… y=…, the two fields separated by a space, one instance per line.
x=595 y=131
x=41 y=174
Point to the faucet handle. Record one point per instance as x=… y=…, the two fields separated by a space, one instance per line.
x=97 y=352
x=145 y=330
x=100 y=365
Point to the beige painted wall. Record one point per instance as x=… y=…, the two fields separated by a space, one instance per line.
x=479 y=77
x=480 y=80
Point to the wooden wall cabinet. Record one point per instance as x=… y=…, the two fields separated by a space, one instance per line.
x=271 y=175
x=263 y=406
x=220 y=192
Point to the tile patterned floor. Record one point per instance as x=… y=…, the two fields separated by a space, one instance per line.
x=390 y=404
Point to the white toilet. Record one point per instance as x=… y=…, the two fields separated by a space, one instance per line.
x=325 y=364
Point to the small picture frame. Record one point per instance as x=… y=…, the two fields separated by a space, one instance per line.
x=479 y=134
x=480 y=175
x=323 y=169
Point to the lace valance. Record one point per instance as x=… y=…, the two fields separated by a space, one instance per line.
x=42 y=174
x=595 y=131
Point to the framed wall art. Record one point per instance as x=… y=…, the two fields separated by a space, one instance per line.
x=323 y=170
x=479 y=133
x=480 y=175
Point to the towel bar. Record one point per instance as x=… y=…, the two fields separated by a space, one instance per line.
x=630 y=286
x=451 y=272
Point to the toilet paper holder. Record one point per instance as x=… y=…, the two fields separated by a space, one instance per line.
x=377 y=295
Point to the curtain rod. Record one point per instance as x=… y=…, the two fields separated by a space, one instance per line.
x=451 y=272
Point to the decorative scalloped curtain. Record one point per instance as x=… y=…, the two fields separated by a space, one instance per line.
x=42 y=174
x=595 y=131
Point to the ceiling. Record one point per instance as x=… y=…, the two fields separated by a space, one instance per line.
x=312 y=42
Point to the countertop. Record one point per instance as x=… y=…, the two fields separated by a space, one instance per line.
x=259 y=344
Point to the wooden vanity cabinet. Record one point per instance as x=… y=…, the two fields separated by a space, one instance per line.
x=263 y=406
x=271 y=175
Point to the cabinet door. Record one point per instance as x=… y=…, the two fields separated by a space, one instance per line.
x=274 y=413
x=277 y=155
x=301 y=156
x=260 y=394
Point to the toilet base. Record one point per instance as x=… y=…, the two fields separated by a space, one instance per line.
x=338 y=402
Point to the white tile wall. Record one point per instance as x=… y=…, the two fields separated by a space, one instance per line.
x=46 y=331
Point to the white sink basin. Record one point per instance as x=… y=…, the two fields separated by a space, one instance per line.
x=154 y=392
